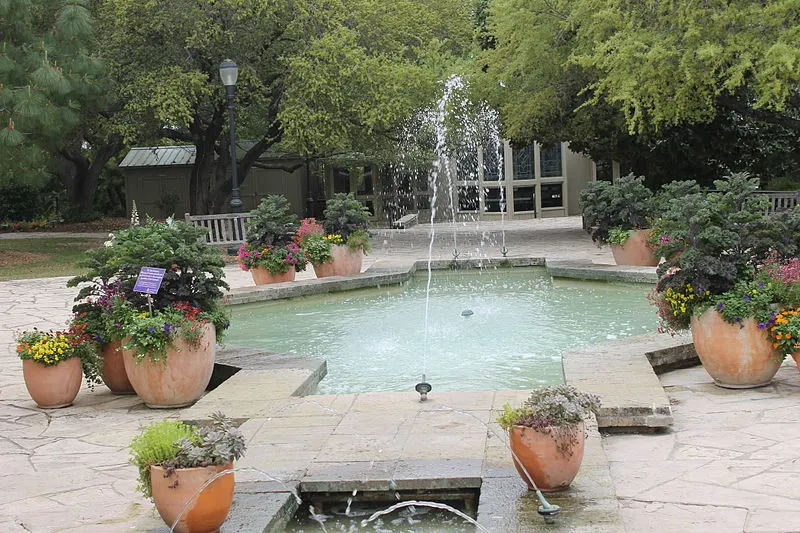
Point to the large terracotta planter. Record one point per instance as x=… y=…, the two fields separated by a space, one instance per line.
x=112 y=369
x=539 y=453
x=181 y=379
x=736 y=356
x=635 y=251
x=53 y=386
x=262 y=276
x=178 y=496
x=345 y=261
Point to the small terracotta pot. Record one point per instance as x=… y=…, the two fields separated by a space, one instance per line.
x=262 y=276
x=539 y=455
x=736 y=356
x=635 y=251
x=796 y=357
x=112 y=369
x=344 y=261
x=53 y=386
x=179 y=496
x=179 y=380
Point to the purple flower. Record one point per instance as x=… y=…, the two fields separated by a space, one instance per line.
x=761 y=325
x=746 y=297
x=720 y=306
x=117 y=325
x=168 y=328
x=151 y=329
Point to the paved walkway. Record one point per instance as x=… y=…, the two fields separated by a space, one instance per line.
x=727 y=465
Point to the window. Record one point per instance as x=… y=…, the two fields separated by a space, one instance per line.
x=551 y=195
x=550 y=161
x=493 y=162
x=494 y=200
x=524 y=199
x=341 y=179
x=523 y=163
x=468 y=198
x=365 y=183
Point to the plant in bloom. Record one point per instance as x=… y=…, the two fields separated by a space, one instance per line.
x=151 y=335
x=308 y=226
x=784 y=331
x=49 y=348
x=276 y=259
x=675 y=307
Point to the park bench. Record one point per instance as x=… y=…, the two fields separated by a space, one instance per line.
x=406 y=221
x=226 y=229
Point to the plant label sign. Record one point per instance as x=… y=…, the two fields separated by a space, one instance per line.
x=149 y=280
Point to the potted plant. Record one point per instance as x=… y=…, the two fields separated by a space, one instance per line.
x=547 y=435
x=717 y=248
x=270 y=253
x=618 y=213
x=187 y=471
x=339 y=251
x=190 y=295
x=97 y=316
x=53 y=363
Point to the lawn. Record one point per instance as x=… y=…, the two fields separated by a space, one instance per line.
x=32 y=257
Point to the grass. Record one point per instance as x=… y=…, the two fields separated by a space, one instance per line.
x=32 y=257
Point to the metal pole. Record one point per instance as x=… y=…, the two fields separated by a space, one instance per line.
x=236 y=201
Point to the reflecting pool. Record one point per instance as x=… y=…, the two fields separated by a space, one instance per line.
x=377 y=340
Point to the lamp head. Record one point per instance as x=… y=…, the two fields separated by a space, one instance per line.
x=228 y=73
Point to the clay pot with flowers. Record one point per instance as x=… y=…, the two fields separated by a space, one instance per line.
x=53 y=363
x=187 y=471
x=168 y=338
x=547 y=435
x=270 y=252
x=337 y=247
x=724 y=278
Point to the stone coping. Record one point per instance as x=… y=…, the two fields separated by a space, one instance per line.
x=394 y=272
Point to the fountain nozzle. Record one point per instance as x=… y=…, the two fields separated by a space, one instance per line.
x=423 y=389
x=504 y=251
x=547 y=510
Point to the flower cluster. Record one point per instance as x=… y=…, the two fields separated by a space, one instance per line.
x=47 y=348
x=675 y=307
x=333 y=239
x=276 y=259
x=308 y=226
x=784 y=331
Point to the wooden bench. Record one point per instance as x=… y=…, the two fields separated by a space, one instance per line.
x=223 y=230
x=406 y=221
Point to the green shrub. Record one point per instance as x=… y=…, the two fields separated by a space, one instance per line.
x=157 y=443
x=272 y=223
x=625 y=204
x=344 y=215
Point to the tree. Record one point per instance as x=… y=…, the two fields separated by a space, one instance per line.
x=714 y=84
x=51 y=87
x=316 y=78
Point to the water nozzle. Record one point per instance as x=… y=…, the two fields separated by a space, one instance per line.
x=547 y=510
x=423 y=389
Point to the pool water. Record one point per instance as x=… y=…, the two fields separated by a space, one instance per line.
x=377 y=340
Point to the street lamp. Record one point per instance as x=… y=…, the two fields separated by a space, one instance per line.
x=228 y=72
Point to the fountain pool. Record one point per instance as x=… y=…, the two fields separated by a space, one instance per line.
x=376 y=340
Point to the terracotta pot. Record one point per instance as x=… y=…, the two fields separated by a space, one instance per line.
x=181 y=379
x=538 y=452
x=796 y=357
x=262 y=276
x=206 y=511
x=345 y=261
x=112 y=369
x=635 y=251
x=736 y=356
x=53 y=386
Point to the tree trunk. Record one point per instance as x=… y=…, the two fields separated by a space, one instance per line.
x=80 y=176
x=205 y=137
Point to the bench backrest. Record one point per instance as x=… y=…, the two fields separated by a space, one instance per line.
x=227 y=228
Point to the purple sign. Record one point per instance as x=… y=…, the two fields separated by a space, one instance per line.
x=149 y=280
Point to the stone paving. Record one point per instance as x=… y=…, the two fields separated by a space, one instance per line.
x=726 y=465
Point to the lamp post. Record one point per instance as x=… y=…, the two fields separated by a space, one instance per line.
x=228 y=72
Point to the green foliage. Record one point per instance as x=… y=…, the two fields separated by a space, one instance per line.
x=272 y=223
x=556 y=409
x=157 y=442
x=20 y=202
x=624 y=204
x=617 y=236
x=747 y=299
x=317 y=248
x=194 y=271
x=673 y=90
x=714 y=239
x=173 y=444
x=359 y=239
x=344 y=215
